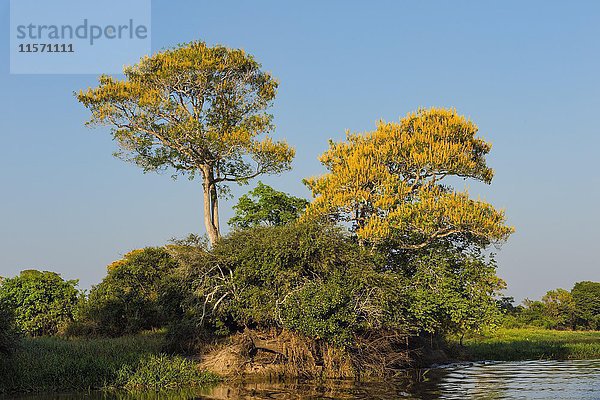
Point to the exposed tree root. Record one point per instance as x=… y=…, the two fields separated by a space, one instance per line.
x=281 y=354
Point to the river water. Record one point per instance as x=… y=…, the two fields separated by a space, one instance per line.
x=576 y=379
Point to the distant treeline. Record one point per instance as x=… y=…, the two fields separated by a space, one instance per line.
x=578 y=309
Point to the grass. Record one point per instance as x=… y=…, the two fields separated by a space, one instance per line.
x=51 y=364
x=162 y=372
x=531 y=344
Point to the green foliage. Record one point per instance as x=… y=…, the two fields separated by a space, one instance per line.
x=9 y=336
x=129 y=298
x=52 y=364
x=162 y=372
x=323 y=310
x=265 y=206
x=42 y=302
x=452 y=290
x=316 y=280
x=260 y=277
x=586 y=296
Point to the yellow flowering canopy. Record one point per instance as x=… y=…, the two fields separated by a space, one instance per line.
x=391 y=185
x=194 y=108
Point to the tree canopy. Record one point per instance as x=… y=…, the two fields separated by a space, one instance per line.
x=586 y=296
x=127 y=300
x=42 y=302
x=391 y=184
x=266 y=206
x=194 y=109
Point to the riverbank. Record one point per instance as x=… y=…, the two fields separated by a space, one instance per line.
x=51 y=364
x=137 y=363
x=529 y=344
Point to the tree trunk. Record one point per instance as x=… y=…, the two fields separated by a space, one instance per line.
x=211 y=205
x=214 y=203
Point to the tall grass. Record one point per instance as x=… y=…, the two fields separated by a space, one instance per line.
x=531 y=344
x=158 y=373
x=52 y=364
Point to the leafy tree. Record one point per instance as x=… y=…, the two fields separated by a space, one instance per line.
x=265 y=206
x=43 y=303
x=586 y=296
x=391 y=184
x=560 y=308
x=128 y=298
x=506 y=304
x=452 y=290
x=197 y=110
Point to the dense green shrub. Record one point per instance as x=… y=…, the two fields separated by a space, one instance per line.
x=323 y=310
x=43 y=303
x=452 y=290
x=9 y=335
x=316 y=280
x=128 y=298
x=261 y=278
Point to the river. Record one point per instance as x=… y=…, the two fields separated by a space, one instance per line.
x=576 y=379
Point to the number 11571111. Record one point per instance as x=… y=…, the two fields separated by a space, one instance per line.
x=46 y=48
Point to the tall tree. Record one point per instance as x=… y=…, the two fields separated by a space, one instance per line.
x=197 y=110
x=392 y=185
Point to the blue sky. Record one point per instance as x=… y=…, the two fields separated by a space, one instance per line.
x=526 y=72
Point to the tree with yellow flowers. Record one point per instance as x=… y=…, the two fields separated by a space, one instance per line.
x=198 y=110
x=391 y=184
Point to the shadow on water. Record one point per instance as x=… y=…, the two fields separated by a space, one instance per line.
x=484 y=380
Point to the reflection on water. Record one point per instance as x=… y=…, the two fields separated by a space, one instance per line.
x=486 y=381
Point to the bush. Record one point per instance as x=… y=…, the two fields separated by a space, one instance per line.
x=9 y=336
x=128 y=298
x=310 y=278
x=451 y=289
x=316 y=280
x=323 y=310
x=42 y=302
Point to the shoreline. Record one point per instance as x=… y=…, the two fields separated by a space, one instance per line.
x=43 y=363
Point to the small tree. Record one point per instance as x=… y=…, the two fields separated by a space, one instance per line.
x=42 y=302
x=197 y=110
x=391 y=184
x=560 y=307
x=453 y=290
x=128 y=298
x=265 y=206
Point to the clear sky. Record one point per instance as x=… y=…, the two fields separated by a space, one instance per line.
x=528 y=73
